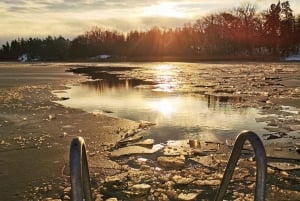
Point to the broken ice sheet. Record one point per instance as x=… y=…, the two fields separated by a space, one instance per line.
x=177 y=148
x=145 y=143
x=289 y=109
x=284 y=166
x=135 y=150
x=272 y=136
x=204 y=160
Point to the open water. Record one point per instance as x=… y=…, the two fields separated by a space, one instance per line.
x=162 y=93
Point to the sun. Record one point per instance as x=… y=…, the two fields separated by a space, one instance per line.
x=164 y=10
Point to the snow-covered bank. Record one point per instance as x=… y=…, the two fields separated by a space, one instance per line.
x=295 y=57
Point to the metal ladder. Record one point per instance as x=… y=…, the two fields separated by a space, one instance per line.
x=79 y=171
x=80 y=179
x=261 y=165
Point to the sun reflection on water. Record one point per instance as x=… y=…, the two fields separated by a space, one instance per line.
x=177 y=115
x=163 y=106
x=164 y=67
x=166 y=77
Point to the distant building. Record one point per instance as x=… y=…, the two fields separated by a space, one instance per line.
x=100 y=57
x=23 y=58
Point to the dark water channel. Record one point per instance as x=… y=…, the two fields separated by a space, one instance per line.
x=178 y=114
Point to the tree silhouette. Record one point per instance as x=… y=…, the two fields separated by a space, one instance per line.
x=241 y=32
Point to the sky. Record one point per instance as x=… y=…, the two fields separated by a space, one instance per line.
x=69 y=18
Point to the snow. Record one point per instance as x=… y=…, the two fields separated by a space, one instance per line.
x=295 y=57
x=23 y=58
x=102 y=56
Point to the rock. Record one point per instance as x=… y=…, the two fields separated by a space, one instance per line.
x=51 y=117
x=177 y=148
x=272 y=123
x=284 y=166
x=111 y=199
x=182 y=180
x=169 y=184
x=64 y=134
x=67 y=190
x=116 y=179
x=204 y=160
x=171 y=161
x=138 y=190
x=194 y=143
x=98 y=197
x=50 y=187
x=145 y=167
x=141 y=160
x=199 y=152
x=172 y=194
x=212 y=182
x=64 y=98
x=272 y=136
x=284 y=173
x=294 y=127
x=146 y=143
x=275 y=129
x=108 y=111
x=91 y=154
x=270 y=171
x=97 y=112
x=145 y=124
x=277 y=149
x=141 y=189
x=131 y=139
x=229 y=142
x=135 y=150
x=188 y=196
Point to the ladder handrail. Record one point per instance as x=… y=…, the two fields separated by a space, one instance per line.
x=261 y=165
x=79 y=171
x=80 y=179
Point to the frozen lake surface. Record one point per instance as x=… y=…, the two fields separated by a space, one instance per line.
x=165 y=95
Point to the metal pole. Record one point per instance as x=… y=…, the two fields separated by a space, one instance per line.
x=261 y=165
x=79 y=171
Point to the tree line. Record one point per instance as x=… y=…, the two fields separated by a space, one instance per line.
x=237 y=33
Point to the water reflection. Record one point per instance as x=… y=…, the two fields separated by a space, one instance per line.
x=106 y=82
x=164 y=106
x=166 y=77
x=177 y=115
x=221 y=101
x=164 y=67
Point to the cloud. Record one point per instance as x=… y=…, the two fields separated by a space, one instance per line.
x=72 y=17
x=148 y=22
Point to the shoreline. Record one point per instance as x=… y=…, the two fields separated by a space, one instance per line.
x=36 y=132
x=190 y=59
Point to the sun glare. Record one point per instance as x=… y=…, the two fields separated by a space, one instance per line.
x=163 y=106
x=164 y=67
x=166 y=77
x=164 y=10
